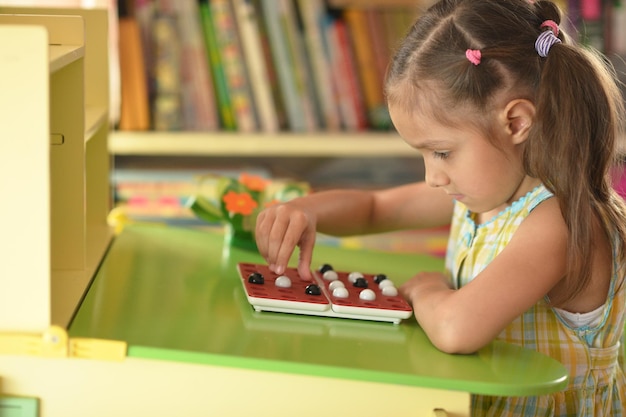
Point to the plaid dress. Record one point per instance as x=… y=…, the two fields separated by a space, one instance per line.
x=592 y=354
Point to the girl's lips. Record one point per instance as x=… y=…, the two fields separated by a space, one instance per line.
x=457 y=197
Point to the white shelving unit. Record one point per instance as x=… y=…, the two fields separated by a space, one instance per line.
x=54 y=162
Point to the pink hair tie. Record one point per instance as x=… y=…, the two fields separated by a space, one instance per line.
x=473 y=56
x=552 y=25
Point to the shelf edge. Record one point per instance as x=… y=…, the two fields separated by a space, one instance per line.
x=323 y=144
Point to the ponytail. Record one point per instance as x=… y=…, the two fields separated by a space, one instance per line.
x=571 y=148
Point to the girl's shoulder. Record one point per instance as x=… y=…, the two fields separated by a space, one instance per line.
x=512 y=214
x=535 y=197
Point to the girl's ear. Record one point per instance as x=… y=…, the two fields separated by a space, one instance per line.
x=518 y=117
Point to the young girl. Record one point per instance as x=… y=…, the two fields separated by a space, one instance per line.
x=517 y=126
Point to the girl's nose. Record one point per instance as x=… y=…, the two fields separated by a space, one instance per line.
x=435 y=177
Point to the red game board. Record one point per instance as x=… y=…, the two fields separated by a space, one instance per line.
x=332 y=294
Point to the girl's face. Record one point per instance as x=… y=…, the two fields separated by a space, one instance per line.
x=464 y=163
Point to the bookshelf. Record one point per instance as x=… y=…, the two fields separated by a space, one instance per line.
x=54 y=105
x=217 y=146
x=285 y=142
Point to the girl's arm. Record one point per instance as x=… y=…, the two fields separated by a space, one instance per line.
x=282 y=227
x=464 y=320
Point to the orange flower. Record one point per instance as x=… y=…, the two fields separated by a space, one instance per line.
x=253 y=182
x=239 y=203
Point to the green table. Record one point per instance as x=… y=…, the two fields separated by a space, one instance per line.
x=173 y=294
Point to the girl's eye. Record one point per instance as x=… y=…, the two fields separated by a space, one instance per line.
x=441 y=155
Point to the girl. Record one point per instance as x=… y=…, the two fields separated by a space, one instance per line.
x=517 y=126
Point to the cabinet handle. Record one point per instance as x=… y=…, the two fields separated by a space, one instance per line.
x=439 y=412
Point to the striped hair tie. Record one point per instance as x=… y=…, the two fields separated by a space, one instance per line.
x=547 y=38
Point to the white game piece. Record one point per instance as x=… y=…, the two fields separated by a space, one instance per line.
x=367 y=295
x=352 y=276
x=283 y=282
x=340 y=292
x=336 y=284
x=385 y=283
x=390 y=291
x=330 y=275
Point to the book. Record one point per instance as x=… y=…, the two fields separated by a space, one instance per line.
x=380 y=45
x=144 y=11
x=166 y=104
x=573 y=21
x=592 y=15
x=260 y=83
x=396 y=23
x=162 y=194
x=314 y=14
x=368 y=73
x=618 y=33
x=232 y=58
x=272 y=73
x=220 y=85
x=277 y=17
x=300 y=63
x=198 y=96
x=134 y=103
x=345 y=78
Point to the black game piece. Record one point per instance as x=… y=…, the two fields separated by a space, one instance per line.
x=256 y=278
x=360 y=283
x=379 y=278
x=313 y=289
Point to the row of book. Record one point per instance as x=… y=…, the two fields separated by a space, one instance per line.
x=273 y=65
x=255 y=65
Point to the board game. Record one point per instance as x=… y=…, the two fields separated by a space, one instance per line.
x=352 y=295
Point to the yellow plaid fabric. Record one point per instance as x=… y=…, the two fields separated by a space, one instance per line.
x=592 y=355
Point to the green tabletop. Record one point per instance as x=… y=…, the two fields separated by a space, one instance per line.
x=174 y=294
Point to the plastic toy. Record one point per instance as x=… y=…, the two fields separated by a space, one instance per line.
x=331 y=294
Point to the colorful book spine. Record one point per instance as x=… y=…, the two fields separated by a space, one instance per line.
x=299 y=64
x=272 y=73
x=345 y=77
x=260 y=83
x=313 y=14
x=166 y=105
x=198 y=96
x=370 y=79
x=134 y=102
x=225 y=109
x=227 y=37
x=618 y=35
x=380 y=46
x=275 y=21
x=592 y=26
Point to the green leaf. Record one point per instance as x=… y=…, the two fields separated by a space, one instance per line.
x=205 y=210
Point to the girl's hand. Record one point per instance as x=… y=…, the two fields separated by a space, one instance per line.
x=424 y=284
x=279 y=229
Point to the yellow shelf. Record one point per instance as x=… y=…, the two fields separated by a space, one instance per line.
x=62 y=55
x=95 y=117
x=321 y=144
